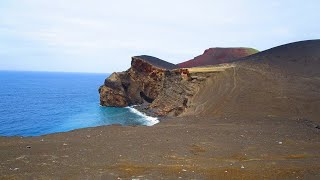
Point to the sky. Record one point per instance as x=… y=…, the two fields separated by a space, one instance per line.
x=101 y=35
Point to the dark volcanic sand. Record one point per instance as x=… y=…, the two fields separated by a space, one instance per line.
x=190 y=148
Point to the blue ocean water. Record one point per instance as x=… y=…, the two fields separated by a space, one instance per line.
x=38 y=103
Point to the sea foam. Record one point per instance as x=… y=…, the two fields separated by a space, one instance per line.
x=149 y=121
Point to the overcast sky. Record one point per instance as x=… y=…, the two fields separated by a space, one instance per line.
x=102 y=35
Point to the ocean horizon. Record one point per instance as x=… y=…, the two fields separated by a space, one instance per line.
x=38 y=103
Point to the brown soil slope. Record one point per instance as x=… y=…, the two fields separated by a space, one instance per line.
x=280 y=82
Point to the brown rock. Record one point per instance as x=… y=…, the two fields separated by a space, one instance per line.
x=164 y=91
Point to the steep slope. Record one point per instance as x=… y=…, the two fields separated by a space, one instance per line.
x=214 y=56
x=280 y=82
x=301 y=58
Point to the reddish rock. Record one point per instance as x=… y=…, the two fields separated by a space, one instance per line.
x=215 y=56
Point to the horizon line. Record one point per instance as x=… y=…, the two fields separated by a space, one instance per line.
x=45 y=71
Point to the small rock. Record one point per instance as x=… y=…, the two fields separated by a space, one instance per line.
x=184 y=170
x=28 y=147
x=225 y=171
x=15 y=169
x=194 y=77
x=65 y=144
x=242 y=167
x=280 y=142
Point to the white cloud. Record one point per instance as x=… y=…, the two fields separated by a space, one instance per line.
x=93 y=32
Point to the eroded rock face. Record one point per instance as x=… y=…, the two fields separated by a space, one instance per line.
x=160 y=86
x=142 y=82
x=162 y=91
x=175 y=94
x=112 y=93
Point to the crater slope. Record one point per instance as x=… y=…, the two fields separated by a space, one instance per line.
x=280 y=82
x=215 y=56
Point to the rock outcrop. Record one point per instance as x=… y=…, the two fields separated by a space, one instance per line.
x=215 y=56
x=151 y=82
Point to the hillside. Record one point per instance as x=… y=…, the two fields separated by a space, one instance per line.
x=214 y=56
x=299 y=57
x=280 y=82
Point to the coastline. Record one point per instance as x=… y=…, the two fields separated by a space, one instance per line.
x=143 y=108
x=256 y=119
x=150 y=119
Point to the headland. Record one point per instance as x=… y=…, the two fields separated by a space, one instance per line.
x=254 y=117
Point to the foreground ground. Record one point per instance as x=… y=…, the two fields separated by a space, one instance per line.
x=183 y=148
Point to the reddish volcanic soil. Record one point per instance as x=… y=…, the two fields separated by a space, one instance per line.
x=214 y=56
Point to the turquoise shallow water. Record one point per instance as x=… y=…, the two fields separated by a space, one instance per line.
x=38 y=103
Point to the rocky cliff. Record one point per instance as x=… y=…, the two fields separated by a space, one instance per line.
x=161 y=89
x=215 y=56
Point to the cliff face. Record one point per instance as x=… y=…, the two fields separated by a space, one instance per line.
x=215 y=56
x=160 y=90
x=142 y=82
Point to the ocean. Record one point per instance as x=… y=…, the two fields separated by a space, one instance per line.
x=39 y=103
